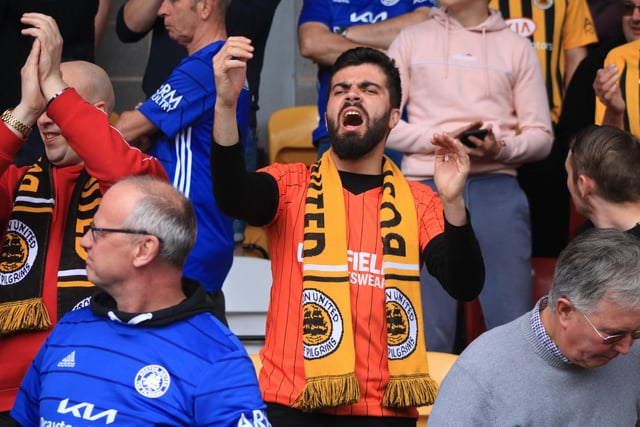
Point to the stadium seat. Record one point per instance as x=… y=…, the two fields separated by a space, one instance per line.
x=289 y=135
x=246 y=291
x=542 y=276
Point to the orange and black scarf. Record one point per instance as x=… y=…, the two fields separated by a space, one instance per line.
x=24 y=249
x=328 y=341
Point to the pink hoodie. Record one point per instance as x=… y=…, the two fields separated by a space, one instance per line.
x=452 y=76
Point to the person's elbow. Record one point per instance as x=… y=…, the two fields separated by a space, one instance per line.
x=546 y=143
x=307 y=50
x=124 y=30
x=309 y=34
x=538 y=142
x=475 y=286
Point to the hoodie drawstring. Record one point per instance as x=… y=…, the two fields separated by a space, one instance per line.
x=485 y=59
x=446 y=48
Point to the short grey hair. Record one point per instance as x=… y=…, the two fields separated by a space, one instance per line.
x=165 y=213
x=597 y=264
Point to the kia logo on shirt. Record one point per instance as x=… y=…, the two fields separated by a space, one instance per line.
x=522 y=26
x=86 y=411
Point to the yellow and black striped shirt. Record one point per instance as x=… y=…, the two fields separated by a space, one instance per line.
x=553 y=26
x=627 y=59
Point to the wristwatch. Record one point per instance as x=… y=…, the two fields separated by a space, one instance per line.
x=342 y=31
x=8 y=118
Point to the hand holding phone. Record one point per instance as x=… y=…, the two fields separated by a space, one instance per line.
x=477 y=132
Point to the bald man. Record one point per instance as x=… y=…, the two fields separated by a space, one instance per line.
x=46 y=208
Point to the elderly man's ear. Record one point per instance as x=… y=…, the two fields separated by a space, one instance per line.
x=148 y=250
x=564 y=310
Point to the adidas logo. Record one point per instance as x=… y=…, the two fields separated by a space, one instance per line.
x=69 y=361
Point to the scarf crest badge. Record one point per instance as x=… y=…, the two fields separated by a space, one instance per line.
x=19 y=252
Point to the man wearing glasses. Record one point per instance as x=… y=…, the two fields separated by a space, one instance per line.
x=149 y=350
x=558 y=364
x=46 y=207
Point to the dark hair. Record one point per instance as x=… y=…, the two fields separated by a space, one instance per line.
x=611 y=157
x=367 y=55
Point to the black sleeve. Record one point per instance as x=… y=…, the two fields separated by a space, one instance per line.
x=578 y=109
x=124 y=33
x=454 y=258
x=251 y=197
x=579 y=103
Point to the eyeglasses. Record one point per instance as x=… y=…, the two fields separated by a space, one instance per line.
x=95 y=230
x=612 y=339
x=628 y=8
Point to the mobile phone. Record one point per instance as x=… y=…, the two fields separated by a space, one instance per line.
x=478 y=133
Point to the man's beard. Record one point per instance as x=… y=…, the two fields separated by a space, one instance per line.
x=352 y=146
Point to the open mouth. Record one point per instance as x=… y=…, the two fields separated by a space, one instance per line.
x=351 y=119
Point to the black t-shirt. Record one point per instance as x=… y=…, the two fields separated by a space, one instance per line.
x=164 y=54
x=588 y=225
x=76 y=20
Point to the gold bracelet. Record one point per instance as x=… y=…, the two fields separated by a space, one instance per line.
x=8 y=118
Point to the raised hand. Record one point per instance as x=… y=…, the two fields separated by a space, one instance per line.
x=450 y=175
x=44 y=29
x=230 y=69
x=607 y=89
x=31 y=102
x=609 y=93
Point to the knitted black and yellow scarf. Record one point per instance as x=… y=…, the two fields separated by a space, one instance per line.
x=328 y=341
x=24 y=250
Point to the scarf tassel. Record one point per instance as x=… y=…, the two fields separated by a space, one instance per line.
x=410 y=391
x=328 y=392
x=29 y=314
